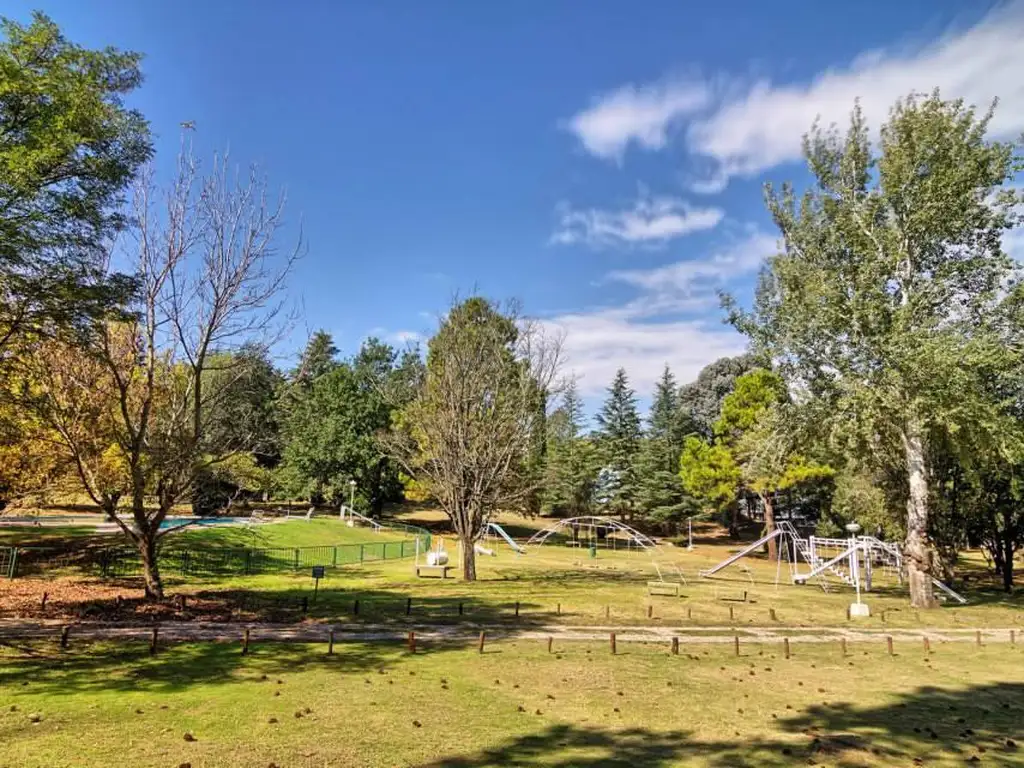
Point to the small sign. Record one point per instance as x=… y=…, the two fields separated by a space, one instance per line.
x=318 y=571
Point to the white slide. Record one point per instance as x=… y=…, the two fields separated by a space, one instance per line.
x=508 y=539
x=480 y=549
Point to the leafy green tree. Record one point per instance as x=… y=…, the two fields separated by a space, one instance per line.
x=710 y=474
x=332 y=429
x=661 y=494
x=618 y=440
x=241 y=427
x=68 y=148
x=889 y=265
x=700 y=401
x=571 y=468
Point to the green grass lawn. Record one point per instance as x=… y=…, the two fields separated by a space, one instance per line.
x=559 y=584
x=293 y=533
x=448 y=706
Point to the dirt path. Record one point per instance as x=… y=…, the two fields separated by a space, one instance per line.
x=15 y=629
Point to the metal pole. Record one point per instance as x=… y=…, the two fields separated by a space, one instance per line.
x=689 y=533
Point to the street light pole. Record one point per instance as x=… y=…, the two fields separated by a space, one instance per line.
x=352 y=495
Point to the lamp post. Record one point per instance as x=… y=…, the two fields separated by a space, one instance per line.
x=858 y=608
x=689 y=533
x=352 y=495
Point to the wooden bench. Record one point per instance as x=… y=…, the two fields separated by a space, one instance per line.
x=663 y=588
x=434 y=570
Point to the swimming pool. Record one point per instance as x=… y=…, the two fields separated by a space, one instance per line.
x=181 y=522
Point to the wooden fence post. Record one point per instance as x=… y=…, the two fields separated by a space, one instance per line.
x=607 y=611
x=153 y=641
x=650 y=611
x=675 y=646
x=64 y=632
x=927 y=644
x=412 y=642
x=1013 y=637
x=42 y=605
x=551 y=640
x=842 y=645
x=689 y=613
x=977 y=637
x=736 y=644
x=330 y=643
x=785 y=647
x=245 y=641
x=483 y=637
x=355 y=607
x=611 y=640
x=517 y=609
x=888 y=644
x=558 y=609
x=460 y=609
x=771 y=614
x=408 y=606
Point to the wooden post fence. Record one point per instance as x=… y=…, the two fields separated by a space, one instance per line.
x=611 y=640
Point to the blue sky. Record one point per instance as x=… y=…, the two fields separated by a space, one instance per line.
x=600 y=161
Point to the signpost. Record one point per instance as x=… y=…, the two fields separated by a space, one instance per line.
x=318 y=573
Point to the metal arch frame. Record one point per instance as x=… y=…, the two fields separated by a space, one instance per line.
x=642 y=541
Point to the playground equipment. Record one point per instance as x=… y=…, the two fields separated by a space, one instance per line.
x=351 y=516
x=664 y=587
x=497 y=530
x=436 y=561
x=852 y=560
x=596 y=532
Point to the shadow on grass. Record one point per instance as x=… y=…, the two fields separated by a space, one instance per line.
x=977 y=724
x=127 y=665
x=578 y=746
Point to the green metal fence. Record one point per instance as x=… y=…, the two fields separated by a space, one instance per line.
x=121 y=561
x=8 y=561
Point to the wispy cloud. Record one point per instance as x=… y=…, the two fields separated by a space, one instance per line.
x=746 y=130
x=650 y=220
x=636 y=114
x=657 y=325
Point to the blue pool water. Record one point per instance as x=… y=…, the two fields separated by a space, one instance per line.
x=181 y=522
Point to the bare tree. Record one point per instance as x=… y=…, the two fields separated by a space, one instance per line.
x=468 y=434
x=210 y=280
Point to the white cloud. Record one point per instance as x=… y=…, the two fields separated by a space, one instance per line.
x=642 y=115
x=599 y=343
x=650 y=220
x=738 y=259
x=763 y=128
x=638 y=337
x=407 y=337
x=747 y=130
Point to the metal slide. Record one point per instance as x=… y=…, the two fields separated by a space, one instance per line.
x=956 y=596
x=742 y=553
x=508 y=539
x=801 y=578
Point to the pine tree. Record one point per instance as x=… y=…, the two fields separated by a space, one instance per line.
x=318 y=358
x=619 y=442
x=571 y=469
x=660 y=493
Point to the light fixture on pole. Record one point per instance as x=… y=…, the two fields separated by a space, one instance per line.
x=856 y=609
x=352 y=495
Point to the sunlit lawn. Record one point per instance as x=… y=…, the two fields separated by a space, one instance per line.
x=375 y=705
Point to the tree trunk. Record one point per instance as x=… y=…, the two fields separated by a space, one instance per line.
x=468 y=559
x=1008 y=536
x=734 y=521
x=918 y=548
x=769 y=526
x=150 y=567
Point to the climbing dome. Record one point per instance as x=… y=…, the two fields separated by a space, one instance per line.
x=596 y=531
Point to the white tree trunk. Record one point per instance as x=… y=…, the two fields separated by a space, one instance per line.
x=918 y=549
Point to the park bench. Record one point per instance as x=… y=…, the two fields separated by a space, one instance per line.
x=663 y=588
x=440 y=571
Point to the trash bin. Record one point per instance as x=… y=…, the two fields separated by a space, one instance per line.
x=593 y=549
